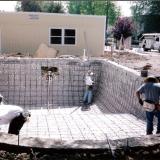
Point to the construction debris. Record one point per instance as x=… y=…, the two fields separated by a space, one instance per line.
x=147 y=66
x=67 y=56
x=13 y=55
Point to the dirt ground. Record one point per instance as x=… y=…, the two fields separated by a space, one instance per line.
x=136 y=60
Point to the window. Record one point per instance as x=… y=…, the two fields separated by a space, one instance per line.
x=69 y=36
x=63 y=36
x=56 y=36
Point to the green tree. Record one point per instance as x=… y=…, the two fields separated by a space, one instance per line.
x=144 y=13
x=74 y=7
x=28 y=6
x=40 y=6
x=148 y=7
x=91 y=7
x=52 y=7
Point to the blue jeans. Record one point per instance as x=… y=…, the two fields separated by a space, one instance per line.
x=150 y=117
x=88 y=95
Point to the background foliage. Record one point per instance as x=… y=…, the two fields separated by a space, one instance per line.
x=87 y=7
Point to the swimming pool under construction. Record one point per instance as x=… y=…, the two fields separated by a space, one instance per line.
x=55 y=104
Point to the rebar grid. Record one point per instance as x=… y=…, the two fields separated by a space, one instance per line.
x=22 y=83
x=116 y=91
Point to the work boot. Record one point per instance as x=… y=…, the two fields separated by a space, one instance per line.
x=85 y=108
x=149 y=133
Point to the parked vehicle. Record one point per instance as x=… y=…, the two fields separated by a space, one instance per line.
x=150 y=41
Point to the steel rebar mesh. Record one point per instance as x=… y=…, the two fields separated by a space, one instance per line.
x=22 y=83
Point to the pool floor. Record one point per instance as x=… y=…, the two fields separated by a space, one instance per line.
x=65 y=123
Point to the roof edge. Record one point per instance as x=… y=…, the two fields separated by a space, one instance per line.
x=51 y=14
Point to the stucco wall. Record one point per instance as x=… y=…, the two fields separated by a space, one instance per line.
x=24 y=32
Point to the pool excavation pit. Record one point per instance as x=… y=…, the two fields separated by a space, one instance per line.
x=52 y=90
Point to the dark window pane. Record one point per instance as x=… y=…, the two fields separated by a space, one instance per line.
x=55 y=40
x=56 y=32
x=69 y=32
x=70 y=40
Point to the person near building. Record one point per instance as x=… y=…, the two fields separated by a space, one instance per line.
x=150 y=90
x=13 y=115
x=88 y=94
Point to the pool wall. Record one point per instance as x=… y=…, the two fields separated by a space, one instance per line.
x=22 y=83
x=116 y=90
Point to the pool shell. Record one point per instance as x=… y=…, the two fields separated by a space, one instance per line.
x=56 y=110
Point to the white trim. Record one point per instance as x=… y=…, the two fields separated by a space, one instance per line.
x=104 y=37
x=0 y=42
x=62 y=37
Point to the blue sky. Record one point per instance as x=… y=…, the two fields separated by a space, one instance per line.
x=10 y=5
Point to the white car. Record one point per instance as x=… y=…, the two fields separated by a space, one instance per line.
x=150 y=41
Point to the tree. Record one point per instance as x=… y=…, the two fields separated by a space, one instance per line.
x=52 y=7
x=123 y=29
x=40 y=6
x=148 y=7
x=28 y=5
x=145 y=13
x=74 y=7
x=90 y=7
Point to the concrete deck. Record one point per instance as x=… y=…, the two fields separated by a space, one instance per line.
x=72 y=124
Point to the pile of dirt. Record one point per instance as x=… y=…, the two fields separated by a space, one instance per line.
x=4 y=155
x=124 y=57
x=12 y=156
x=14 y=55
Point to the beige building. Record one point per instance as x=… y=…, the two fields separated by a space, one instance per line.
x=70 y=34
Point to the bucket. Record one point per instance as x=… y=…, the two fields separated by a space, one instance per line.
x=144 y=73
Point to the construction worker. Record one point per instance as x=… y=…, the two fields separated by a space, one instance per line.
x=13 y=115
x=88 y=95
x=151 y=91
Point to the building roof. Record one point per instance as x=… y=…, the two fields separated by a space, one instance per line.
x=50 y=14
x=151 y=34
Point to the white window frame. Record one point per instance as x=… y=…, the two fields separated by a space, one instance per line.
x=0 y=42
x=63 y=36
x=54 y=36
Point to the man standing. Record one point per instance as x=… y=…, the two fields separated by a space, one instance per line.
x=88 y=95
x=151 y=91
x=13 y=115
